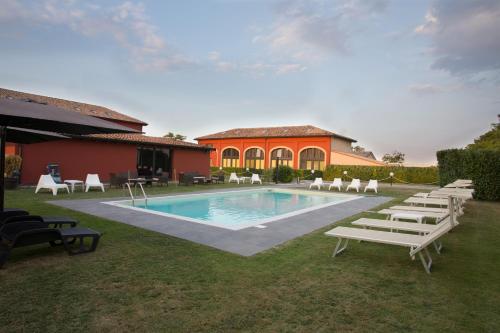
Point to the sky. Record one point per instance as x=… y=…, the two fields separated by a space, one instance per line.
x=406 y=75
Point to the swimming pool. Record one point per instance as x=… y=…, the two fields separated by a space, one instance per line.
x=237 y=210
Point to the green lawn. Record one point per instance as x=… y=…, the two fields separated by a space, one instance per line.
x=142 y=280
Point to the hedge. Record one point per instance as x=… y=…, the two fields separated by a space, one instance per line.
x=414 y=175
x=482 y=166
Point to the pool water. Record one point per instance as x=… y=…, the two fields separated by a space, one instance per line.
x=238 y=209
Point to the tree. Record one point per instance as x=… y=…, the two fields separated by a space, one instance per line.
x=178 y=137
x=489 y=140
x=395 y=158
x=358 y=149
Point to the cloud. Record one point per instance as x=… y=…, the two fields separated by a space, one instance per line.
x=425 y=89
x=464 y=36
x=126 y=24
x=254 y=69
x=309 y=31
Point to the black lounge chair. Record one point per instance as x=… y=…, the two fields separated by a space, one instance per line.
x=14 y=215
x=50 y=221
x=31 y=232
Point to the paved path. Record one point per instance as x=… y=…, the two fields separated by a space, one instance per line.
x=245 y=242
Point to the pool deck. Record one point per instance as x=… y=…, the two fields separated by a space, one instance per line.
x=245 y=242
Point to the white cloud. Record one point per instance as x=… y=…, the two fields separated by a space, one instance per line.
x=309 y=31
x=126 y=24
x=423 y=89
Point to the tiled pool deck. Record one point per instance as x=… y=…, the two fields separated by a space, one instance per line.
x=245 y=242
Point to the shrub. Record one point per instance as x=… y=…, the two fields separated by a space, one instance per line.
x=482 y=166
x=285 y=174
x=12 y=164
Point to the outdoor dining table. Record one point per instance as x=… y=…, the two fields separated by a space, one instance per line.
x=243 y=179
x=73 y=182
x=200 y=179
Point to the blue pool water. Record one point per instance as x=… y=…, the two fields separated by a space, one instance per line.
x=239 y=209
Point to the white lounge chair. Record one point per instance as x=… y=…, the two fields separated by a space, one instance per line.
x=93 y=180
x=337 y=182
x=372 y=185
x=234 y=178
x=255 y=178
x=355 y=184
x=416 y=243
x=430 y=215
x=47 y=182
x=318 y=182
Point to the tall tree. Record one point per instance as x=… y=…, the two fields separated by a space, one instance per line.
x=171 y=135
x=395 y=157
x=489 y=140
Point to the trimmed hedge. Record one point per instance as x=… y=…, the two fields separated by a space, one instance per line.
x=415 y=175
x=482 y=166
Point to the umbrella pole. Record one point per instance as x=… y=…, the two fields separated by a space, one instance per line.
x=3 y=136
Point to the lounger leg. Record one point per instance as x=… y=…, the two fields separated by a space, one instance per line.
x=427 y=263
x=338 y=248
x=438 y=246
x=4 y=254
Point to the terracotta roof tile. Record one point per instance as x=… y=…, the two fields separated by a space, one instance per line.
x=83 y=108
x=144 y=139
x=282 y=131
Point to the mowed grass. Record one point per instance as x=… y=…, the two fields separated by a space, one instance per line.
x=139 y=280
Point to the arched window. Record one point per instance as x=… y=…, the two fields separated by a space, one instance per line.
x=254 y=158
x=286 y=157
x=312 y=159
x=230 y=158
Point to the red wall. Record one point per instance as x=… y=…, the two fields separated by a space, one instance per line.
x=268 y=144
x=184 y=160
x=76 y=158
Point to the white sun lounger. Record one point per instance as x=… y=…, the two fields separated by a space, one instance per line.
x=427 y=201
x=421 y=209
x=395 y=226
x=430 y=215
x=255 y=178
x=318 y=182
x=372 y=185
x=337 y=183
x=355 y=184
x=416 y=243
x=442 y=195
x=234 y=178
x=47 y=182
x=93 y=180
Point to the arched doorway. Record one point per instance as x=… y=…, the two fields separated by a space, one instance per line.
x=312 y=159
x=254 y=158
x=286 y=157
x=230 y=158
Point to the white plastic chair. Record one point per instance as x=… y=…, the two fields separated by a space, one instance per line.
x=234 y=178
x=355 y=184
x=93 y=181
x=337 y=182
x=372 y=185
x=47 y=182
x=256 y=178
x=318 y=182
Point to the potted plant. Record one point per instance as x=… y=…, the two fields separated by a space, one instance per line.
x=12 y=167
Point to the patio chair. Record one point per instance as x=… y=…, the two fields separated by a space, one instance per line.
x=47 y=182
x=337 y=182
x=24 y=233
x=255 y=178
x=372 y=185
x=355 y=184
x=318 y=182
x=234 y=178
x=416 y=243
x=93 y=180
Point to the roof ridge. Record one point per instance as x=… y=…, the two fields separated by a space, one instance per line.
x=74 y=106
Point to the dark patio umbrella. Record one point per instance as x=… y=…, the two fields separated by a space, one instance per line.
x=34 y=121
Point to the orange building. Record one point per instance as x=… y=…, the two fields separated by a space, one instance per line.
x=300 y=147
